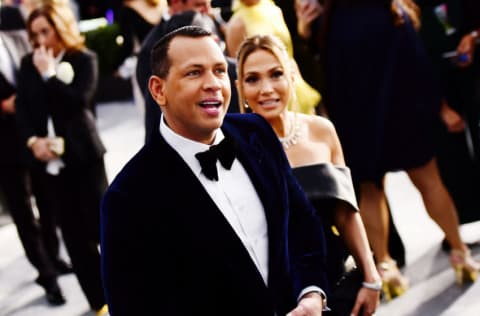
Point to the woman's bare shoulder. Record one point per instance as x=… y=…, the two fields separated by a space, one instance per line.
x=318 y=123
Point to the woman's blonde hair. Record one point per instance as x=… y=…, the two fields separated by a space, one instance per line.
x=271 y=44
x=410 y=8
x=61 y=17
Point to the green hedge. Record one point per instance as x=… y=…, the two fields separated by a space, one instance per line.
x=103 y=41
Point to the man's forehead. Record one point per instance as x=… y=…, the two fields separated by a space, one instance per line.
x=183 y=48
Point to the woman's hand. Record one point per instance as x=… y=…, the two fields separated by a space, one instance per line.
x=41 y=149
x=452 y=120
x=367 y=301
x=466 y=49
x=307 y=11
x=44 y=61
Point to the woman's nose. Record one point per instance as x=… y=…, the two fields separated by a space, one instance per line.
x=266 y=86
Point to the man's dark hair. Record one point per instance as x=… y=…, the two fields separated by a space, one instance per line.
x=159 y=61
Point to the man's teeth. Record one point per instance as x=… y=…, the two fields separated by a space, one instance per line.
x=210 y=103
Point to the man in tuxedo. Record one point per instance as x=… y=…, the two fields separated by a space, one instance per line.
x=180 y=236
x=40 y=241
x=180 y=13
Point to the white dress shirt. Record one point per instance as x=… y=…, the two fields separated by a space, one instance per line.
x=233 y=193
x=55 y=165
x=235 y=196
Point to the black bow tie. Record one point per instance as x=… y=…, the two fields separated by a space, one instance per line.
x=224 y=151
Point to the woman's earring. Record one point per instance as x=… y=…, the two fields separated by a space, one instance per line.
x=246 y=108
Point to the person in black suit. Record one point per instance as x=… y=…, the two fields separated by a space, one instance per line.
x=247 y=244
x=38 y=236
x=56 y=86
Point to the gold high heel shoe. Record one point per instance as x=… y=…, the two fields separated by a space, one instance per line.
x=394 y=283
x=102 y=311
x=466 y=268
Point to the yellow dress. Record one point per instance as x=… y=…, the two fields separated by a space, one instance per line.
x=267 y=18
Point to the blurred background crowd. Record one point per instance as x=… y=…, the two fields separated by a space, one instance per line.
x=399 y=79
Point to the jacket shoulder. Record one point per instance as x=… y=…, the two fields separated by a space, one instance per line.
x=82 y=54
x=246 y=124
x=138 y=168
x=247 y=121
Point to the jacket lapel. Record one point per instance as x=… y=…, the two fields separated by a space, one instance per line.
x=254 y=157
x=206 y=225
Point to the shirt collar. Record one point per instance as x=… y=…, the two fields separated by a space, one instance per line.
x=185 y=147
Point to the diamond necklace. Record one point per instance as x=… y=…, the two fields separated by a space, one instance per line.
x=293 y=135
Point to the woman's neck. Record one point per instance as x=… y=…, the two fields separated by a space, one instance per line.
x=282 y=124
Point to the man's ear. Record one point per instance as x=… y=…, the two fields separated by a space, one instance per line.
x=156 y=86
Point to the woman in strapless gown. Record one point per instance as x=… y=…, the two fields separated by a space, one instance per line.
x=265 y=83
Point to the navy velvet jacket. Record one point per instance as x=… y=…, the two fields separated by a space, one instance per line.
x=168 y=250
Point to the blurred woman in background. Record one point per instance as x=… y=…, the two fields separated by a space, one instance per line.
x=56 y=86
x=381 y=97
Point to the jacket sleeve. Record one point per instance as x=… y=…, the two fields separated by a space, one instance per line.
x=23 y=118
x=307 y=245
x=132 y=263
x=306 y=238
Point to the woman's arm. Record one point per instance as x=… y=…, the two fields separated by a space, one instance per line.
x=235 y=33
x=350 y=226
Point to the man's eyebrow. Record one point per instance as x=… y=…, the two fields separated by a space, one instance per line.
x=203 y=65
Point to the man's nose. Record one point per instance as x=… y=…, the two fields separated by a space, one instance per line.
x=212 y=81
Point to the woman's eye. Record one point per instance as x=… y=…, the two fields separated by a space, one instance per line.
x=251 y=79
x=277 y=74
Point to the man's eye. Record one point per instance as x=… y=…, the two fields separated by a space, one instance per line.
x=193 y=73
x=220 y=70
